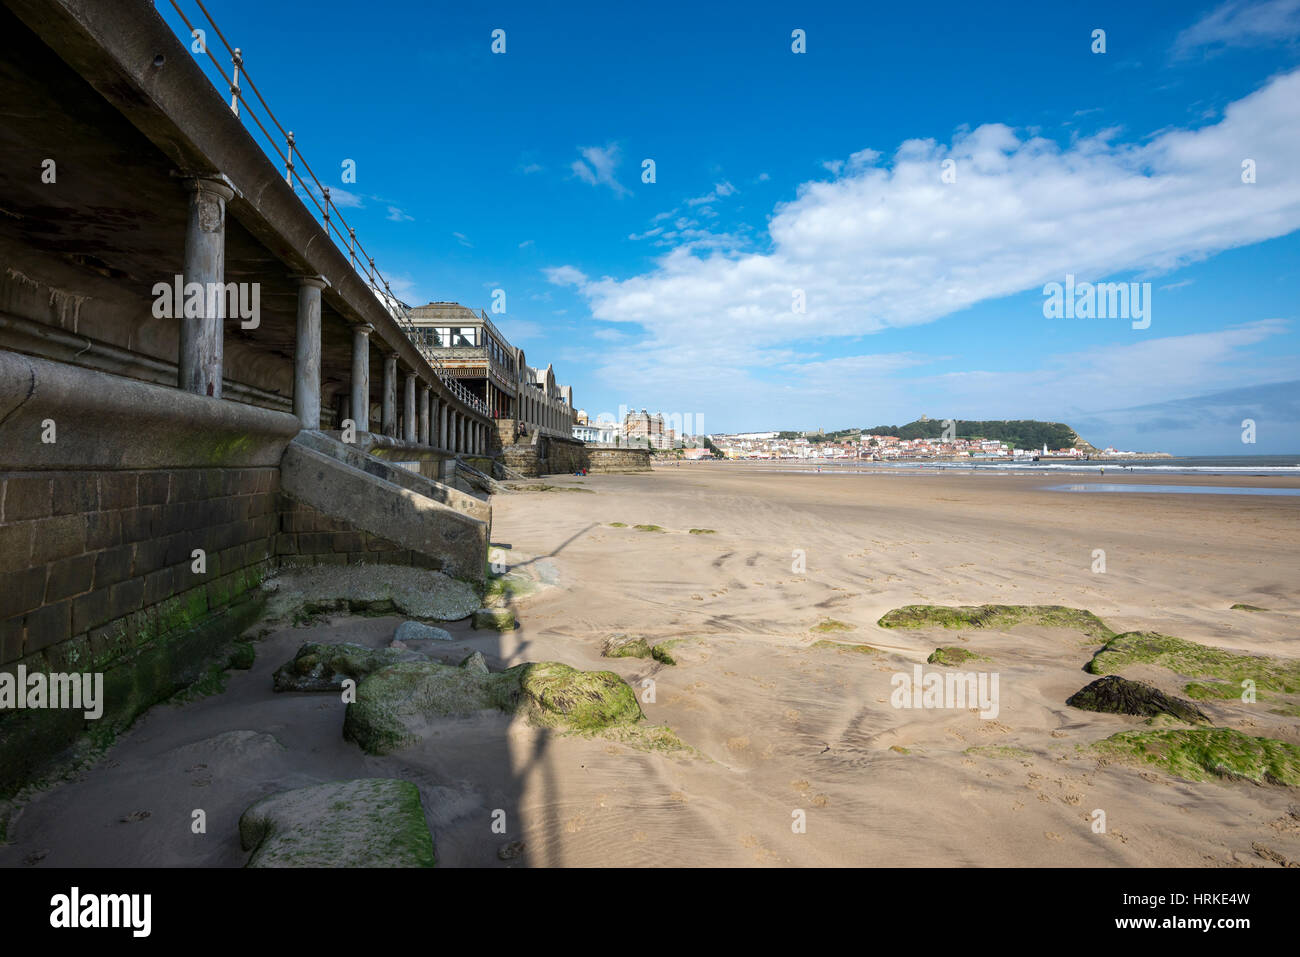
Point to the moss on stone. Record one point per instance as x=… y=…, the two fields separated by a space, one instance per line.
x=1241 y=606
x=702 y=531
x=656 y=737
x=494 y=619
x=242 y=655
x=636 y=646
x=371 y=822
x=318 y=666
x=395 y=703
x=998 y=751
x=1202 y=754
x=648 y=528
x=557 y=695
x=831 y=625
x=952 y=656
x=996 y=616
x=844 y=647
x=618 y=524
x=1196 y=661
x=505 y=589
x=1211 y=691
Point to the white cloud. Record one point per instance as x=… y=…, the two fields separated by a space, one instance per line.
x=526 y=243
x=890 y=246
x=463 y=240
x=565 y=276
x=396 y=215
x=1240 y=23
x=719 y=191
x=344 y=199
x=598 y=165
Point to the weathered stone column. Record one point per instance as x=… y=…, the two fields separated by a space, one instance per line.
x=388 y=423
x=306 y=359
x=200 y=358
x=443 y=413
x=423 y=401
x=361 y=376
x=408 y=408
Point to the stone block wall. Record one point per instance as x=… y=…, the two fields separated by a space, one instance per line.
x=97 y=576
x=308 y=536
x=559 y=457
x=82 y=550
x=618 y=460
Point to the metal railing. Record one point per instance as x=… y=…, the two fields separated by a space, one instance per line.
x=331 y=217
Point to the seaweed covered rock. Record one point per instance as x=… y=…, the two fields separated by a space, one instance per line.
x=368 y=822
x=556 y=695
x=1197 y=661
x=1115 y=695
x=952 y=656
x=635 y=646
x=323 y=667
x=1202 y=754
x=996 y=616
x=475 y=662
x=396 y=706
x=494 y=619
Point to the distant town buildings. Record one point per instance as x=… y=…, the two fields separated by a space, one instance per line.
x=868 y=447
x=642 y=429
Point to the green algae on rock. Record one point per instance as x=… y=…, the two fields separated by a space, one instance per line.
x=830 y=624
x=952 y=656
x=1242 y=606
x=649 y=528
x=323 y=667
x=1115 y=695
x=494 y=619
x=1196 y=661
x=395 y=704
x=702 y=531
x=368 y=822
x=844 y=647
x=242 y=655
x=635 y=646
x=996 y=616
x=1203 y=754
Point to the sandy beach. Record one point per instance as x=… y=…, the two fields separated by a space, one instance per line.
x=776 y=731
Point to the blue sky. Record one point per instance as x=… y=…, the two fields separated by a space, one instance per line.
x=780 y=174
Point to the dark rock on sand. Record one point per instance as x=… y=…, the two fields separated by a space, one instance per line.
x=1115 y=695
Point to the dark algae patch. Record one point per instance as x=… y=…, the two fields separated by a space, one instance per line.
x=1115 y=695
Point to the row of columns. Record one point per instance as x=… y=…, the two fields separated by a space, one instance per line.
x=535 y=410
x=426 y=420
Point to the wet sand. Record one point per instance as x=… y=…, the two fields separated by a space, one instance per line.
x=774 y=725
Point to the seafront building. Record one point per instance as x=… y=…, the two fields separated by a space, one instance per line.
x=471 y=349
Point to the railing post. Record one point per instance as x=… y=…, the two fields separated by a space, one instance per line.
x=325 y=190
x=238 y=60
x=288 y=170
